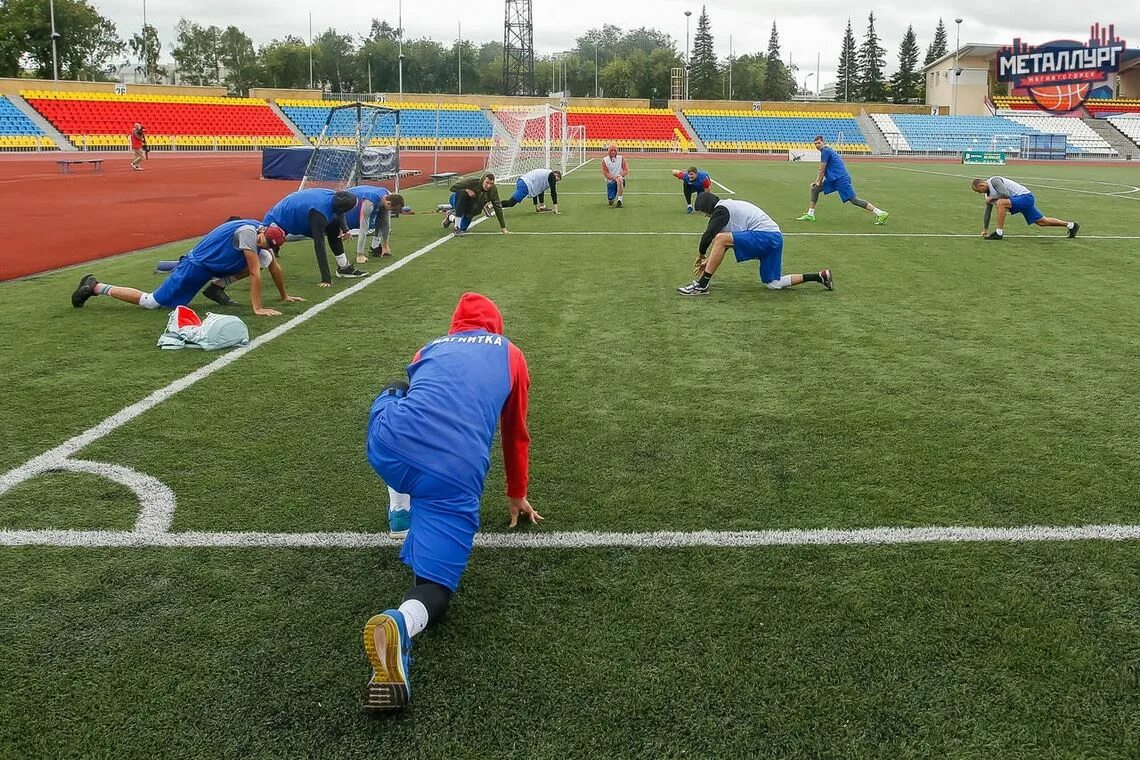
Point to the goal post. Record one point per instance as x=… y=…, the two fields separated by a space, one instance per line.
x=358 y=141
x=524 y=138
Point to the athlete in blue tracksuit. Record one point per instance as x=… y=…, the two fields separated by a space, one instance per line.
x=318 y=213
x=231 y=251
x=431 y=439
x=833 y=177
x=376 y=207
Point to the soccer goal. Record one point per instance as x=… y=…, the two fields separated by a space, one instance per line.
x=536 y=137
x=359 y=141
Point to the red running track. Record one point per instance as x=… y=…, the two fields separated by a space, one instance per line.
x=56 y=220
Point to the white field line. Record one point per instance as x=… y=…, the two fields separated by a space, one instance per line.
x=722 y=187
x=954 y=534
x=156 y=499
x=837 y=234
x=1126 y=194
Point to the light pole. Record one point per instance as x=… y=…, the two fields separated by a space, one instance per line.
x=809 y=76
x=596 y=69
x=460 y=23
x=687 y=14
x=54 y=35
x=310 y=50
x=146 y=63
x=957 y=71
x=400 y=22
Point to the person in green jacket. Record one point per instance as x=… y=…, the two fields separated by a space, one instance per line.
x=468 y=196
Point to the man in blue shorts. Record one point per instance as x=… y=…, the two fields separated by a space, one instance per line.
x=693 y=182
x=752 y=235
x=534 y=185
x=318 y=213
x=833 y=178
x=430 y=440
x=1010 y=197
x=231 y=251
x=374 y=210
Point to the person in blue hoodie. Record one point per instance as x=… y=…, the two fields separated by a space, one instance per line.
x=430 y=439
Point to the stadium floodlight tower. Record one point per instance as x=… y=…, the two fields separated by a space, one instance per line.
x=518 y=48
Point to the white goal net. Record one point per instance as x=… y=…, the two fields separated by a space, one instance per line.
x=536 y=137
x=359 y=141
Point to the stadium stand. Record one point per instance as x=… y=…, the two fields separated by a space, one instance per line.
x=18 y=132
x=630 y=128
x=1096 y=107
x=1129 y=126
x=102 y=120
x=774 y=131
x=1080 y=137
x=953 y=134
x=459 y=125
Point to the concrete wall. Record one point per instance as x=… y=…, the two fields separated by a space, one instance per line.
x=973 y=86
x=812 y=107
x=14 y=85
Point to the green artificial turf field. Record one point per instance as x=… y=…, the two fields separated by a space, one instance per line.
x=946 y=382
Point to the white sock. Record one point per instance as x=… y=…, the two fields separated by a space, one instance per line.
x=415 y=615
x=619 y=199
x=397 y=500
x=877 y=211
x=999 y=231
x=1069 y=226
x=811 y=212
x=786 y=281
x=341 y=260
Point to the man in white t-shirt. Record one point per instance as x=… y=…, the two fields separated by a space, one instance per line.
x=752 y=236
x=615 y=170
x=534 y=185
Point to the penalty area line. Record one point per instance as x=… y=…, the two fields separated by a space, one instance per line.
x=883 y=536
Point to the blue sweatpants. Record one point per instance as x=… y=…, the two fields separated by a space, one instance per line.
x=444 y=517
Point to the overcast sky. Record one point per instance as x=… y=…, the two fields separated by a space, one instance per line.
x=806 y=29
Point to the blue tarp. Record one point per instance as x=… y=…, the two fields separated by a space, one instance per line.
x=285 y=163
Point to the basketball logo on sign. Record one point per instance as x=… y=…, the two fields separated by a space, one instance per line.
x=1059 y=75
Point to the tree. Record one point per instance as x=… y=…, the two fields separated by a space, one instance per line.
x=937 y=47
x=236 y=53
x=285 y=63
x=704 y=74
x=86 y=45
x=146 y=48
x=333 y=55
x=778 y=84
x=197 y=53
x=906 y=81
x=872 y=59
x=615 y=78
x=847 y=74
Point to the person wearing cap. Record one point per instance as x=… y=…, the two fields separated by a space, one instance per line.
x=231 y=251
x=374 y=212
x=752 y=236
x=318 y=213
x=137 y=140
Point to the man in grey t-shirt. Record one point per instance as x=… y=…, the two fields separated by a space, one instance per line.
x=1013 y=198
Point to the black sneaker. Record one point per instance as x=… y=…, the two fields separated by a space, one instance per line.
x=694 y=288
x=995 y=236
x=1073 y=231
x=85 y=290
x=448 y=219
x=610 y=202
x=218 y=294
x=618 y=204
x=825 y=277
x=350 y=272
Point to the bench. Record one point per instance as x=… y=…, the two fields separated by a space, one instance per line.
x=65 y=165
x=443 y=177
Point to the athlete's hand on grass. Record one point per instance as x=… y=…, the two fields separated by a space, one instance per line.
x=522 y=507
x=506 y=231
x=267 y=312
x=324 y=284
x=293 y=299
x=699 y=266
x=985 y=232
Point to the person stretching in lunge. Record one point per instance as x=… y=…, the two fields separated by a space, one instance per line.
x=534 y=184
x=1012 y=198
x=431 y=441
x=751 y=234
x=833 y=177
